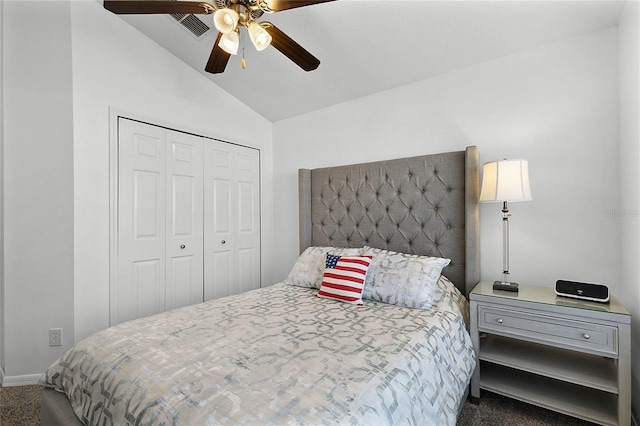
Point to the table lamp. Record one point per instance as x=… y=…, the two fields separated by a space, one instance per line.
x=505 y=181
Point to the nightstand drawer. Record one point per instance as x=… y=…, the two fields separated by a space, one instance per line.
x=589 y=337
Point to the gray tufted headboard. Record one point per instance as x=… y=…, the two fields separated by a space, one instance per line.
x=426 y=205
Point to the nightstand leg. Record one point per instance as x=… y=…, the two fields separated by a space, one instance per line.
x=624 y=375
x=475 y=339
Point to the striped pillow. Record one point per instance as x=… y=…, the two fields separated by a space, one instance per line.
x=344 y=277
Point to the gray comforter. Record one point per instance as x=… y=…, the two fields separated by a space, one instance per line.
x=277 y=355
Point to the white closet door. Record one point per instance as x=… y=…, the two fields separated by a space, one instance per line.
x=140 y=289
x=184 y=226
x=160 y=221
x=247 y=214
x=232 y=219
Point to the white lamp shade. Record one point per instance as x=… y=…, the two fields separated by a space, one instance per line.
x=225 y=20
x=229 y=42
x=506 y=180
x=260 y=38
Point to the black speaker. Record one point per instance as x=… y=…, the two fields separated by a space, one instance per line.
x=585 y=291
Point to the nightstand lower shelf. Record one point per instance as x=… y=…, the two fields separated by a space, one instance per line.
x=567 y=398
x=592 y=371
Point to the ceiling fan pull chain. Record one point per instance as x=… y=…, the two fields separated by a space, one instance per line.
x=243 y=62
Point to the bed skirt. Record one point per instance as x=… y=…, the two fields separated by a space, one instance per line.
x=55 y=410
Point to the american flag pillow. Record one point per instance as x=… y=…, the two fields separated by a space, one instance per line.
x=344 y=277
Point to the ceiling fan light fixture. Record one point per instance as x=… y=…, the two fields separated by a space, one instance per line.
x=229 y=42
x=260 y=38
x=228 y=17
x=226 y=20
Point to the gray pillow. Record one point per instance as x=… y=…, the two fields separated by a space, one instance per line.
x=309 y=268
x=402 y=279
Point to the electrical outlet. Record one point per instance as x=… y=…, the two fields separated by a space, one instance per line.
x=55 y=337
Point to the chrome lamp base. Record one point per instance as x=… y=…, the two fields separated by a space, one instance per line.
x=505 y=284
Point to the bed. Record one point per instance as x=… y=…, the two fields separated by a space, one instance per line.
x=301 y=351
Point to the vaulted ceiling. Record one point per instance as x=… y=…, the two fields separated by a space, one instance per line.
x=370 y=46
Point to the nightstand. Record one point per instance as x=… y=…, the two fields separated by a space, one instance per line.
x=562 y=354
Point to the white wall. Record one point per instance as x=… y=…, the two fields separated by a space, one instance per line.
x=37 y=185
x=555 y=106
x=629 y=207
x=67 y=66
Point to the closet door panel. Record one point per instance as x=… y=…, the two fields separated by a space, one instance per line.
x=184 y=225
x=148 y=287
x=221 y=195
x=247 y=265
x=219 y=201
x=147 y=211
x=246 y=208
x=141 y=221
x=186 y=289
x=221 y=267
x=232 y=219
x=247 y=221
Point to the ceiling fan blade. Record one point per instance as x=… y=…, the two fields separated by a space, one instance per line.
x=290 y=48
x=218 y=59
x=278 y=5
x=126 y=7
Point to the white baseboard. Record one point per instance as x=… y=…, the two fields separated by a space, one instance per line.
x=29 y=379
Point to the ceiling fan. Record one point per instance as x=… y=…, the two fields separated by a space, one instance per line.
x=228 y=17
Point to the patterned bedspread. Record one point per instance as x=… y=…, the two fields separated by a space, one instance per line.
x=277 y=355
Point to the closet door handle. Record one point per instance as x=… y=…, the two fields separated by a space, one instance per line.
x=223 y=242
x=183 y=246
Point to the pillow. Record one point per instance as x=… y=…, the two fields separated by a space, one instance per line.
x=308 y=269
x=343 y=278
x=402 y=279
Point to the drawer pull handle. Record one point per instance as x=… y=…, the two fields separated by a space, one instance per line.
x=586 y=336
x=499 y=320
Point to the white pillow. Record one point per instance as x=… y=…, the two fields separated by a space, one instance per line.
x=309 y=268
x=402 y=279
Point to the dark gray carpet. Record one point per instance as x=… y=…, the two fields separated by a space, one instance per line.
x=497 y=410
x=20 y=406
